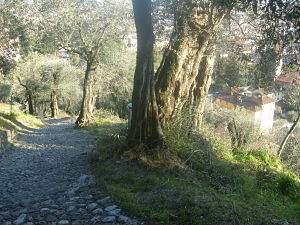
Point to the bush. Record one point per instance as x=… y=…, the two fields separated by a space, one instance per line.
x=292 y=116
x=291 y=154
x=5 y=92
x=211 y=185
x=115 y=80
x=287 y=185
x=235 y=125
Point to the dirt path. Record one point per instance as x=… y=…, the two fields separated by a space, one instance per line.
x=45 y=179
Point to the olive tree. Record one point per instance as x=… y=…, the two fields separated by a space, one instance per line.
x=27 y=75
x=145 y=125
x=43 y=79
x=183 y=78
x=83 y=28
x=184 y=75
x=58 y=73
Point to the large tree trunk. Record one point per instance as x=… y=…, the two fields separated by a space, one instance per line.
x=54 y=104
x=200 y=88
x=180 y=65
x=145 y=127
x=286 y=138
x=87 y=106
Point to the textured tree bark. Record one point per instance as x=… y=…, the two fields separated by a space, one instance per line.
x=54 y=104
x=286 y=138
x=87 y=106
x=30 y=104
x=201 y=85
x=54 y=95
x=179 y=68
x=176 y=74
x=145 y=127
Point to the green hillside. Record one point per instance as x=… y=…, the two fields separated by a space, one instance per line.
x=12 y=118
x=203 y=181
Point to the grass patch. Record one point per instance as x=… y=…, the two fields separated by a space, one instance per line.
x=14 y=119
x=208 y=183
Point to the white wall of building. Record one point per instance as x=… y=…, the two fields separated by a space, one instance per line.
x=265 y=117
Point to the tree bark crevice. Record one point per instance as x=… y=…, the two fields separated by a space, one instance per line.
x=145 y=126
x=54 y=104
x=180 y=66
x=87 y=106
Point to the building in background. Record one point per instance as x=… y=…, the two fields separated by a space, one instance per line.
x=259 y=106
x=285 y=82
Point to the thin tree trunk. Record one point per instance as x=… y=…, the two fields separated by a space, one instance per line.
x=68 y=107
x=145 y=127
x=30 y=104
x=286 y=138
x=180 y=65
x=87 y=107
x=54 y=104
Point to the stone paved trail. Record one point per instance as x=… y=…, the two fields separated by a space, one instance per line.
x=44 y=180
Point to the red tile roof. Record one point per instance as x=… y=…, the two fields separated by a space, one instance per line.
x=248 y=102
x=289 y=78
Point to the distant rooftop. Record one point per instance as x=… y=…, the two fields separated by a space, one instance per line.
x=289 y=78
x=249 y=100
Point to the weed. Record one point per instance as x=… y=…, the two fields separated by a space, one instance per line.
x=198 y=179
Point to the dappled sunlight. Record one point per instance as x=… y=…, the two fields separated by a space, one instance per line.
x=185 y=112
x=213 y=178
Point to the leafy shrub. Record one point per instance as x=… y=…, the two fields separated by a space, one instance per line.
x=212 y=179
x=282 y=183
x=5 y=92
x=235 y=125
x=291 y=116
x=291 y=154
x=115 y=79
x=287 y=185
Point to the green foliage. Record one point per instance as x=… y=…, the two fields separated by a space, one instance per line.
x=236 y=125
x=5 y=92
x=291 y=156
x=292 y=99
x=232 y=71
x=82 y=27
x=292 y=116
x=14 y=37
x=287 y=185
x=12 y=118
x=265 y=70
x=115 y=78
x=210 y=184
x=39 y=75
x=6 y=65
x=111 y=130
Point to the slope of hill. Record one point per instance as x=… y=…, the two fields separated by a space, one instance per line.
x=196 y=180
x=12 y=118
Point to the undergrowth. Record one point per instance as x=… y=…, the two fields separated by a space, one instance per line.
x=198 y=179
x=14 y=119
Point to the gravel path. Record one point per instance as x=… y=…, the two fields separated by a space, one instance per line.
x=45 y=179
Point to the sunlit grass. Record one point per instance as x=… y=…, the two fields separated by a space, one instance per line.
x=14 y=119
x=211 y=184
